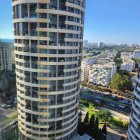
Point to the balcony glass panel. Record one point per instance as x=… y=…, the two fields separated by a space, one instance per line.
x=33 y=13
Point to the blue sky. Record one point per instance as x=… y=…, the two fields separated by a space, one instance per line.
x=110 y=21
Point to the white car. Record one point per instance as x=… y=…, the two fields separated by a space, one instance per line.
x=112 y=105
x=121 y=106
x=3 y=105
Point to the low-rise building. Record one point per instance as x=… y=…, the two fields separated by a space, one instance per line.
x=136 y=54
x=128 y=64
x=105 y=58
x=100 y=74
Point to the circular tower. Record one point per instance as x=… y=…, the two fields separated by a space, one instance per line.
x=134 y=126
x=48 y=36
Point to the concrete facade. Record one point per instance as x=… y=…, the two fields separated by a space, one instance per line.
x=48 y=44
x=102 y=74
x=136 y=54
x=128 y=64
x=134 y=126
x=5 y=56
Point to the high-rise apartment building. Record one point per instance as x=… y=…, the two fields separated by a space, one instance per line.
x=48 y=44
x=5 y=56
x=134 y=126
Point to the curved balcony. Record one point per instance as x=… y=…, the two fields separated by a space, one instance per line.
x=59 y=47
x=57 y=63
x=30 y=124
x=59 y=105
x=45 y=138
x=74 y=23
x=58 y=12
x=57 y=30
x=58 y=118
x=57 y=78
x=41 y=126
x=74 y=6
x=32 y=70
x=30 y=98
x=17 y=2
x=31 y=111
x=33 y=85
x=43 y=20
x=71 y=83
x=69 y=109
x=136 y=131
x=47 y=55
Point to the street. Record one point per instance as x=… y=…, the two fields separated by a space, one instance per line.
x=116 y=103
x=5 y=113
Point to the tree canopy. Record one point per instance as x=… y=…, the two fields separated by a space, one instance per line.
x=86 y=119
x=121 y=81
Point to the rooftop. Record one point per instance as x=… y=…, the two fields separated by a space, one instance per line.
x=84 y=137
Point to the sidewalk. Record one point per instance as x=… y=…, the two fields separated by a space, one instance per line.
x=114 y=135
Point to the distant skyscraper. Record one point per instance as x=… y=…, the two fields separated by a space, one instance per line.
x=101 y=44
x=85 y=43
x=134 y=126
x=48 y=44
x=5 y=56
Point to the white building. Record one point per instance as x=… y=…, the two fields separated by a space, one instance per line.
x=128 y=64
x=92 y=45
x=85 y=67
x=136 y=54
x=84 y=71
x=85 y=43
x=103 y=59
x=102 y=74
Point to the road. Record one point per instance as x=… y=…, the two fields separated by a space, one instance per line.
x=107 y=100
x=5 y=113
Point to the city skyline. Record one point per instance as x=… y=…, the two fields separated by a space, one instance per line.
x=109 y=21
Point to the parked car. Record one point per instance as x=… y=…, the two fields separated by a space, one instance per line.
x=112 y=105
x=3 y=105
x=121 y=106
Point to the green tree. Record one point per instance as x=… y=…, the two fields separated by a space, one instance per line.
x=104 y=129
x=92 y=121
x=122 y=138
x=96 y=128
x=121 y=81
x=80 y=117
x=104 y=115
x=99 y=135
x=81 y=128
x=86 y=119
x=91 y=125
x=104 y=132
